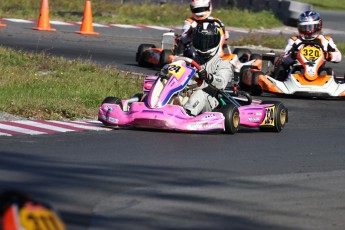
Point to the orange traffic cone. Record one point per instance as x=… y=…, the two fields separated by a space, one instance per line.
x=86 y=26
x=2 y=25
x=44 y=20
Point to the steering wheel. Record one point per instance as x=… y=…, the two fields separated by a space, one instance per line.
x=316 y=42
x=189 y=61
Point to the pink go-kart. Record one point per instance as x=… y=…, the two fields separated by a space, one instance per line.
x=161 y=106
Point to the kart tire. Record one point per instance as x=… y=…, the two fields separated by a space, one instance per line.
x=243 y=85
x=164 y=57
x=280 y=116
x=140 y=57
x=232 y=118
x=256 y=89
x=111 y=100
x=243 y=54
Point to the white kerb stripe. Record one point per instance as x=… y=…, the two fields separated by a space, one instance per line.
x=60 y=23
x=86 y=127
x=5 y=134
x=158 y=28
x=45 y=126
x=20 y=130
x=124 y=26
x=18 y=20
x=99 y=25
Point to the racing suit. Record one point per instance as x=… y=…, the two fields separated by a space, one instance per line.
x=187 y=30
x=203 y=98
x=283 y=65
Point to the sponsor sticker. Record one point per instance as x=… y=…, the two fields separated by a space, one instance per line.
x=208 y=116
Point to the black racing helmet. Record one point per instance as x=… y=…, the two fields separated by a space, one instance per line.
x=206 y=39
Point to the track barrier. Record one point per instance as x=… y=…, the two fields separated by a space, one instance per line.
x=44 y=19
x=86 y=26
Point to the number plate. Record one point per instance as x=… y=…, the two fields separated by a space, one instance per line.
x=176 y=70
x=311 y=52
x=269 y=118
x=37 y=217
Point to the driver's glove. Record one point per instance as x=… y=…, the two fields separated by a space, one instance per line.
x=203 y=75
x=328 y=56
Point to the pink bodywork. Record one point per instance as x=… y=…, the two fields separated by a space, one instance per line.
x=174 y=117
x=171 y=117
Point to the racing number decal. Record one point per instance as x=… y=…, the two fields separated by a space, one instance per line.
x=176 y=70
x=311 y=52
x=39 y=218
x=269 y=118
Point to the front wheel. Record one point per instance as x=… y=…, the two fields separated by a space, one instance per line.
x=276 y=117
x=140 y=55
x=232 y=118
x=256 y=89
x=111 y=100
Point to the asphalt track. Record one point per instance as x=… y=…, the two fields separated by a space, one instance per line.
x=141 y=179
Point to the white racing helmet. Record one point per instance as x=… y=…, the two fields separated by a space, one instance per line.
x=201 y=9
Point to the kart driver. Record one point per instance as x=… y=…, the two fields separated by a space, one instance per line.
x=201 y=10
x=309 y=27
x=215 y=71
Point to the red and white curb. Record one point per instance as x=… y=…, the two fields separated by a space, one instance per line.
x=61 y=23
x=38 y=127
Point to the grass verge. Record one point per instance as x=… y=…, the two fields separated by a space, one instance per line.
x=44 y=87
x=337 y=5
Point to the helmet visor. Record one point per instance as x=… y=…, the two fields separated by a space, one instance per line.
x=200 y=9
x=308 y=29
x=206 y=42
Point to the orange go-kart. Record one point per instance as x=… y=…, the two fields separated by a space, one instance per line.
x=148 y=55
x=308 y=76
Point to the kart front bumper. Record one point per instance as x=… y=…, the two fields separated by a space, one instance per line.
x=169 y=117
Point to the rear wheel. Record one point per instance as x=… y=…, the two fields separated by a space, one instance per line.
x=140 y=55
x=232 y=118
x=276 y=117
